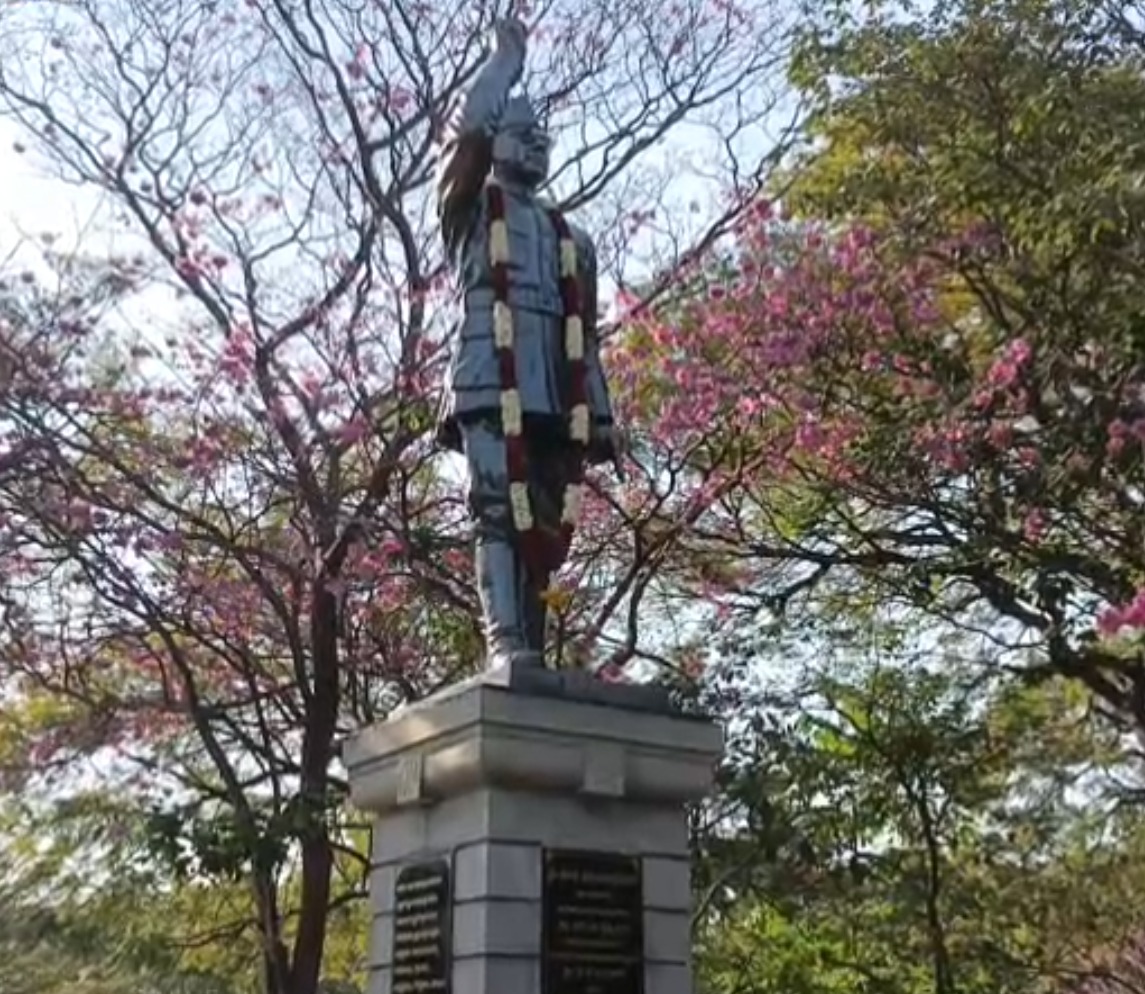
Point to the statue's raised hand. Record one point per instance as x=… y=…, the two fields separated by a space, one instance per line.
x=510 y=37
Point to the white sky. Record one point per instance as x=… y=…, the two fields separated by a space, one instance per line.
x=32 y=203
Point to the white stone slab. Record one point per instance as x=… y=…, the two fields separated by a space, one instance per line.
x=668 y=937
x=667 y=884
x=379 y=981
x=497 y=870
x=383 y=880
x=664 y=978
x=497 y=928
x=487 y=736
x=381 y=951
x=504 y=975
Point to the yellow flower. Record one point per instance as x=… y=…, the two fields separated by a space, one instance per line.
x=570 y=510
x=557 y=599
x=499 y=241
x=578 y=427
x=574 y=338
x=519 y=502
x=568 y=257
x=502 y=325
x=511 y=412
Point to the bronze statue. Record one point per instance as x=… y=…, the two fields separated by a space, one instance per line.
x=526 y=400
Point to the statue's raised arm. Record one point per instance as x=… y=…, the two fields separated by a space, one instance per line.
x=465 y=156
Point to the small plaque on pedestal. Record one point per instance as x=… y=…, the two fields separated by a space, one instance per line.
x=422 y=929
x=593 y=924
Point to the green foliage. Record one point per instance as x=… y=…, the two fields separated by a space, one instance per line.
x=81 y=912
x=912 y=829
x=91 y=903
x=1023 y=113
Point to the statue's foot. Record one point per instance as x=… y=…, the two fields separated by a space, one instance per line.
x=514 y=659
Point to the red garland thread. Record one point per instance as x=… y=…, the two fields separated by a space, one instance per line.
x=543 y=553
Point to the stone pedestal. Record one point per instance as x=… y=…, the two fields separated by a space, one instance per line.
x=494 y=785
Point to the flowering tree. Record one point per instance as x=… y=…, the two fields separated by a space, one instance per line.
x=226 y=540
x=921 y=391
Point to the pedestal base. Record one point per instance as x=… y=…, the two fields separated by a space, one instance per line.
x=514 y=791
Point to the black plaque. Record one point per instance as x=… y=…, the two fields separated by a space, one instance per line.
x=422 y=929
x=593 y=924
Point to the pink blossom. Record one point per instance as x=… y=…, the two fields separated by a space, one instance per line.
x=611 y=673
x=1019 y=352
x=353 y=430
x=1001 y=435
x=1035 y=526
x=400 y=100
x=1115 y=619
x=1119 y=433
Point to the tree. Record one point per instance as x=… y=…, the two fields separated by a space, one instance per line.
x=235 y=546
x=917 y=389
x=69 y=921
x=904 y=824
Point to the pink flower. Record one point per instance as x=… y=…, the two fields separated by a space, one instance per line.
x=400 y=100
x=1003 y=374
x=1035 y=526
x=611 y=673
x=1114 y=619
x=1019 y=352
x=810 y=437
x=1118 y=436
x=1001 y=435
x=392 y=547
x=353 y=430
x=1005 y=371
x=189 y=269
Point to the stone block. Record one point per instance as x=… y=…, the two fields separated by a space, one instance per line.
x=497 y=870
x=400 y=836
x=383 y=880
x=667 y=883
x=481 y=735
x=505 y=975
x=497 y=928
x=667 y=937
x=379 y=981
x=607 y=824
x=665 y=978
x=381 y=950
x=421 y=832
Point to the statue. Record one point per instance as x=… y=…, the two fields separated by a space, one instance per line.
x=526 y=401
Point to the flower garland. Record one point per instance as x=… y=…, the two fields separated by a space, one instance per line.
x=544 y=553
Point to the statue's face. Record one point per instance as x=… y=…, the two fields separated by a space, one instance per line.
x=521 y=153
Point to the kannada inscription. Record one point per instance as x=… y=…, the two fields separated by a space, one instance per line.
x=593 y=924
x=421 y=929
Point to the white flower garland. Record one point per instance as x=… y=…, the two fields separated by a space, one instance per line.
x=511 y=414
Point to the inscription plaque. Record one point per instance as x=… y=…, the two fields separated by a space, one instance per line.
x=593 y=924
x=422 y=929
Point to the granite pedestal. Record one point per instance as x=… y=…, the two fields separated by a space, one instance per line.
x=490 y=798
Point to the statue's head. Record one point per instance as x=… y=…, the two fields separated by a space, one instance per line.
x=521 y=145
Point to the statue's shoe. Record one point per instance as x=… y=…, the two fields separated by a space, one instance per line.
x=512 y=659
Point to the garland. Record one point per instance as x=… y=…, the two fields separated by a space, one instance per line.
x=544 y=553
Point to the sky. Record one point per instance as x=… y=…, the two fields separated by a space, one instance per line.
x=31 y=202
